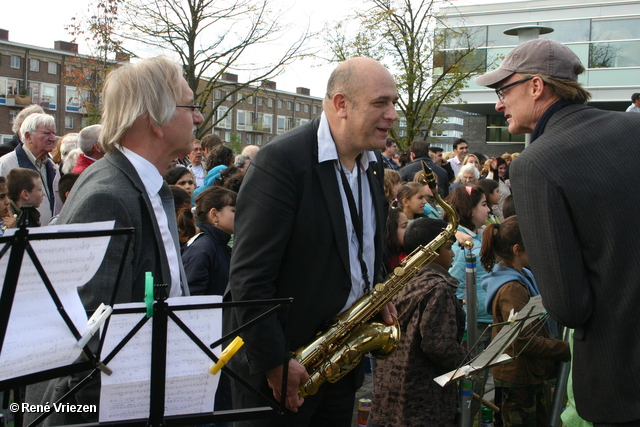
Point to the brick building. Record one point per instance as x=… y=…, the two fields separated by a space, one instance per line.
x=37 y=75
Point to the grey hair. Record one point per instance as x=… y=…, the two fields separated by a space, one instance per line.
x=68 y=143
x=69 y=160
x=88 y=137
x=31 y=123
x=31 y=109
x=151 y=88
x=466 y=168
x=240 y=160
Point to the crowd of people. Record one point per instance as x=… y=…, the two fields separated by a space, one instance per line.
x=325 y=211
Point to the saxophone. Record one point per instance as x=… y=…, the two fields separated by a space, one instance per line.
x=338 y=349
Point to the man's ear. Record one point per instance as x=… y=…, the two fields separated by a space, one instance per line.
x=24 y=195
x=537 y=87
x=340 y=104
x=412 y=155
x=156 y=128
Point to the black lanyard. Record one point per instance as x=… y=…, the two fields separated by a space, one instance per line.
x=356 y=218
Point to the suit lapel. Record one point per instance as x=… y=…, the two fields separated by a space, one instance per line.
x=120 y=161
x=331 y=192
x=375 y=179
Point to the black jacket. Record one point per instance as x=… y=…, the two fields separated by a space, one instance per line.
x=408 y=172
x=206 y=261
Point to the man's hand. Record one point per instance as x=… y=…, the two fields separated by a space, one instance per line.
x=389 y=314
x=297 y=376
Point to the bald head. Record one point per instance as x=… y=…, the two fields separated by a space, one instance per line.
x=347 y=78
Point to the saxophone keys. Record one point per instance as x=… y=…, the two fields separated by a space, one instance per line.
x=398 y=271
x=379 y=287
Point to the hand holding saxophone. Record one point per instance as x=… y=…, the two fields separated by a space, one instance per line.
x=389 y=314
x=297 y=376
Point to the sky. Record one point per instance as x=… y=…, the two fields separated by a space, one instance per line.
x=47 y=24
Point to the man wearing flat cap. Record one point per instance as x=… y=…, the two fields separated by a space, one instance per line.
x=578 y=228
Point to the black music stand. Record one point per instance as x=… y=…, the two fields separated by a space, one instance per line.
x=19 y=244
x=162 y=312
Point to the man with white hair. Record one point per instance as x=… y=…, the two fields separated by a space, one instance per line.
x=585 y=260
x=91 y=149
x=250 y=150
x=141 y=134
x=39 y=134
x=11 y=145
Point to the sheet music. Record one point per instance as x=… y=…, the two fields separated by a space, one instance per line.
x=190 y=388
x=37 y=337
x=494 y=353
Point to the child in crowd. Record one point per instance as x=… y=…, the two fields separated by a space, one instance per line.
x=432 y=322
x=65 y=185
x=430 y=209
x=182 y=177
x=7 y=220
x=471 y=205
x=391 y=184
x=509 y=286
x=184 y=217
x=411 y=199
x=492 y=192
x=508 y=207
x=25 y=189
x=207 y=258
x=394 y=239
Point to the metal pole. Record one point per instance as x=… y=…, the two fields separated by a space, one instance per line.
x=466 y=396
x=472 y=298
x=561 y=389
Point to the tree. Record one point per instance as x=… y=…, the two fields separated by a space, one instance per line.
x=211 y=38
x=87 y=73
x=400 y=34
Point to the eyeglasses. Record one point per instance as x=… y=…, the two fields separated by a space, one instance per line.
x=500 y=90
x=193 y=108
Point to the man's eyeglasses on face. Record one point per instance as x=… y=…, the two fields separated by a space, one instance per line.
x=194 y=108
x=500 y=90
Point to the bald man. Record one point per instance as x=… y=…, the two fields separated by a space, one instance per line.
x=302 y=181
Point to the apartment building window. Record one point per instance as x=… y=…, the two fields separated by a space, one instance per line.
x=217 y=94
x=53 y=68
x=306 y=108
x=44 y=94
x=76 y=99
x=68 y=122
x=15 y=61
x=315 y=110
x=283 y=124
x=279 y=103
x=297 y=106
x=34 y=64
x=227 y=137
x=223 y=118
x=250 y=100
x=270 y=102
x=264 y=122
x=3 y=88
x=259 y=101
x=12 y=116
x=243 y=120
x=249 y=139
x=301 y=122
x=258 y=140
x=289 y=105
